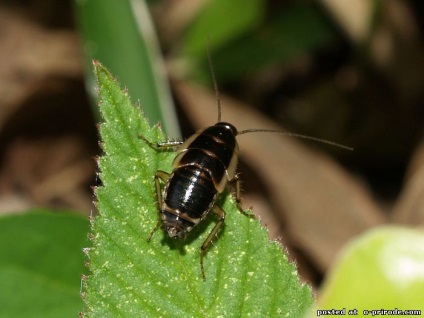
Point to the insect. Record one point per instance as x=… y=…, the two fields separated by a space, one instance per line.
x=204 y=165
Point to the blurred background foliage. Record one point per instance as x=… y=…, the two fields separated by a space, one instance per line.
x=347 y=71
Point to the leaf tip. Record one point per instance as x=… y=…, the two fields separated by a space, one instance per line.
x=100 y=70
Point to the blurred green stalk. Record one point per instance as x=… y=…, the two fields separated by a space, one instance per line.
x=120 y=34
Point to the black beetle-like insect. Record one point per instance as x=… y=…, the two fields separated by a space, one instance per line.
x=204 y=165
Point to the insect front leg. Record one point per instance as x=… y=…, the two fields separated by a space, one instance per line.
x=220 y=213
x=160 y=145
x=159 y=175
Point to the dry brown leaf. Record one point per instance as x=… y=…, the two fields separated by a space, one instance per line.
x=29 y=54
x=409 y=208
x=47 y=172
x=354 y=17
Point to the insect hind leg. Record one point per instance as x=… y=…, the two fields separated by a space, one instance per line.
x=220 y=213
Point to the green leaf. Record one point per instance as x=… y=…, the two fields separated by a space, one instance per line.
x=246 y=274
x=41 y=263
x=296 y=31
x=382 y=269
x=217 y=19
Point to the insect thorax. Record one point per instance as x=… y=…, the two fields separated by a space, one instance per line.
x=214 y=149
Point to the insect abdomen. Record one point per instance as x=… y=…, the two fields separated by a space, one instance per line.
x=191 y=191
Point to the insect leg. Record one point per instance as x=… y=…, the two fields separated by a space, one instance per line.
x=220 y=213
x=164 y=177
x=159 y=145
x=237 y=187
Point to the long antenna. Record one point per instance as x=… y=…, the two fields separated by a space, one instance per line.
x=289 y=134
x=215 y=85
x=286 y=133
